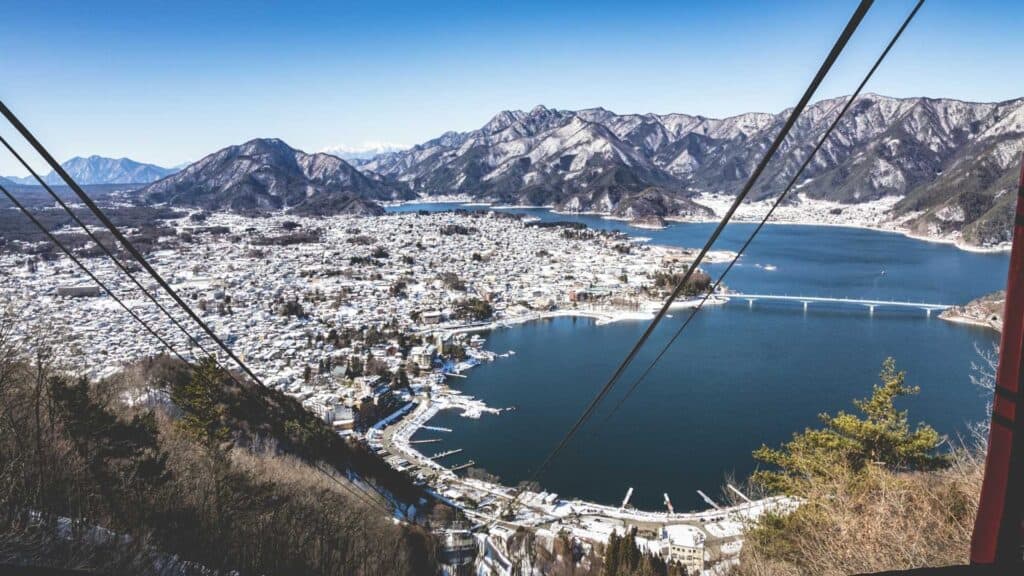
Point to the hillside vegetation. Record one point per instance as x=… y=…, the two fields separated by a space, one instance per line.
x=169 y=468
x=877 y=494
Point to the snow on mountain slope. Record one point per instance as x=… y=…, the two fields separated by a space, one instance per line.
x=594 y=159
x=101 y=170
x=268 y=175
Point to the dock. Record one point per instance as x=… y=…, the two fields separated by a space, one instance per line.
x=425 y=441
x=436 y=428
x=462 y=466
x=440 y=455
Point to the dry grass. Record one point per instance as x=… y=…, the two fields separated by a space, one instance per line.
x=872 y=521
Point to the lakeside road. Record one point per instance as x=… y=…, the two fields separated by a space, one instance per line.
x=501 y=508
x=601 y=315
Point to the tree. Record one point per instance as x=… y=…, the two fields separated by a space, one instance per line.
x=699 y=282
x=457 y=352
x=623 y=557
x=199 y=399
x=355 y=366
x=412 y=368
x=452 y=281
x=473 y=309
x=400 y=380
x=881 y=437
x=119 y=455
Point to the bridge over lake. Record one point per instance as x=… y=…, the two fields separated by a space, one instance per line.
x=868 y=303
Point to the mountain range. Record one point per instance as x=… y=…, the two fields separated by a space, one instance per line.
x=102 y=170
x=951 y=162
x=267 y=175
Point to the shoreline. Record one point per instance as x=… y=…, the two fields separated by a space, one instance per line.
x=956 y=243
x=406 y=423
x=601 y=316
x=892 y=228
x=965 y=321
x=609 y=316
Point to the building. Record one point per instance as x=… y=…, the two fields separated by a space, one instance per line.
x=79 y=291
x=324 y=408
x=685 y=545
x=423 y=356
x=457 y=548
x=344 y=418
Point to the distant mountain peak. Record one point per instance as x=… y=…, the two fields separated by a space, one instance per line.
x=96 y=169
x=266 y=175
x=363 y=151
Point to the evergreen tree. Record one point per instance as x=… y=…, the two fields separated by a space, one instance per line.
x=199 y=399
x=611 y=555
x=882 y=436
x=355 y=366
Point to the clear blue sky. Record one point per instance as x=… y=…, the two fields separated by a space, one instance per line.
x=172 y=81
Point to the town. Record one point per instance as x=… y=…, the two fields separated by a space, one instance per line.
x=365 y=319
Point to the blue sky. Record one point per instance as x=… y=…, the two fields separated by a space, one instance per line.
x=170 y=82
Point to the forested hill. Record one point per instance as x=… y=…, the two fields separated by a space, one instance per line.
x=185 y=469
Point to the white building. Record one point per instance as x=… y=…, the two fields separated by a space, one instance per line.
x=685 y=545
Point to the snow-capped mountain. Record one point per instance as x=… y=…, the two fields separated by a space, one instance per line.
x=266 y=174
x=951 y=161
x=101 y=170
x=365 y=151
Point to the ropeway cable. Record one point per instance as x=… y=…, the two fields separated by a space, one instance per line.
x=830 y=59
x=99 y=214
x=353 y=490
x=109 y=253
x=88 y=272
x=102 y=246
x=59 y=170
x=768 y=215
x=833 y=55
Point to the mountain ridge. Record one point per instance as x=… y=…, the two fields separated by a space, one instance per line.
x=919 y=149
x=265 y=174
x=96 y=169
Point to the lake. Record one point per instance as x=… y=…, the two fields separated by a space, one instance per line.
x=740 y=376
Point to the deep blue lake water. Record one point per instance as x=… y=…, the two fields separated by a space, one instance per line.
x=739 y=376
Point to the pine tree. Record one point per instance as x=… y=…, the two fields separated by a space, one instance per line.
x=882 y=437
x=199 y=400
x=611 y=555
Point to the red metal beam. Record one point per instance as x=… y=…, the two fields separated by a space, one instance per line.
x=999 y=529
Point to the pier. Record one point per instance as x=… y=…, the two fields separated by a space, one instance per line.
x=927 y=307
x=440 y=455
x=425 y=441
x=462 y=466
x=436 y=428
